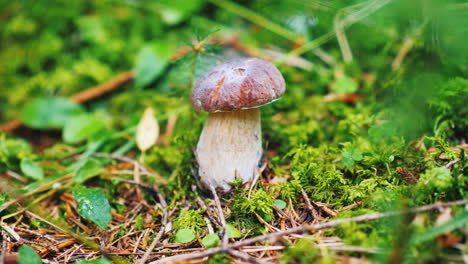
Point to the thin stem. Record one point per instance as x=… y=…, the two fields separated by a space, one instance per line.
x=345 y=22
x=256 y=18
x=306 y=229
x=224 y=238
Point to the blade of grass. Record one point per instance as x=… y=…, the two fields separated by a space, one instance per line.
x=256 y=19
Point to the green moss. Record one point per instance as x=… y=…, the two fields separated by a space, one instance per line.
x=139 y=222
x=12 y=150
x=189 y=219
x=219 y=259
x=259 y=201
x=314 y=169
x=305 y=251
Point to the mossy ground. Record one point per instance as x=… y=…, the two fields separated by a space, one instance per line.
x=380 y=129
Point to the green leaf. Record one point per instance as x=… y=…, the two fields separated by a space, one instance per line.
x=139 y=222
x=49 y=112
x=27 y=255
x=267 y=217
x=386 y=129
x=347 y=161
x=31 y=169
x=438 y=177
x=81 y=127
x=151 y=62
x=210 y=240
x=95 y=261
x=93 y=206
x=232 y=232
x=345 y=85
x=280 y=204
x=351 y=155
x=89 y=169
x=175 y=11
x=184 y=235
x=354 y=153
x=455 y=222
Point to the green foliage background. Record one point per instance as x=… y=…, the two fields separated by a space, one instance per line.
x=338 y=152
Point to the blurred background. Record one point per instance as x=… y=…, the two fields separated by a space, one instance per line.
x=375 y=109
x=396 y=54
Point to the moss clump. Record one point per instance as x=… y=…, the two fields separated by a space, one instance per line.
x=12 y=150
x=189 y=219
x=259 y=201
x=303 y=252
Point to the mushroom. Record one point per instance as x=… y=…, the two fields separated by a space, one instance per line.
x=230 y=144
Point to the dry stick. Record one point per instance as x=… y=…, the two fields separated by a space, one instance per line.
x=353 y=17
x=10 y=125
x=57 y=248
x=407 y=45
x=138 y=240
x=224 y=238
x=342 y=40
x=129 y=172
x=208 y=210
x=451 y=163
x=136 y=177
x=156 y=239
x=353 y=249
x=83 y=96
x=164 y=222
x=349 y=206
x=142 y=185
x=141 y=166
x=10 y=231
x=324 y=56
x=124 y=159
x=257 y=174
x=185 y=257
x=101 y=89
x=261 y=248
x=17 y=176
x=308 y=228
x=369 y=8
x=31 y=214
x=246 y=257
x=340 y=25
x=357 y=219
x=37 y=234
x=261 y=220
x=309 y=205
x=267 y=24
x=4 y=247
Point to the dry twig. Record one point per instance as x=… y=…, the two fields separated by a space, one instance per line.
x=306 y=229
x=83 y=96
x=224 y=237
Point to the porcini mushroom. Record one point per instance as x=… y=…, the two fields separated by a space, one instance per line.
x=230 y=145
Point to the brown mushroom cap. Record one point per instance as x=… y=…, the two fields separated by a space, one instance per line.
x=238 y=84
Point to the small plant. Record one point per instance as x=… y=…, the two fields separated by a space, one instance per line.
x=259 y=201
x=189 y=219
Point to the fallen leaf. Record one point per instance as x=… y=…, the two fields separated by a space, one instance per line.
x=442 y=156
x=407 y=176
x=447 y=240
x=444 y=216
x=350 y=98
x=147 y=130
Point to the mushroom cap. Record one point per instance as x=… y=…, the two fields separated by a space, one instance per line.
x=238 y=84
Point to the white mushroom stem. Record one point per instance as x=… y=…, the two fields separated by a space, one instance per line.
x=230 y=147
